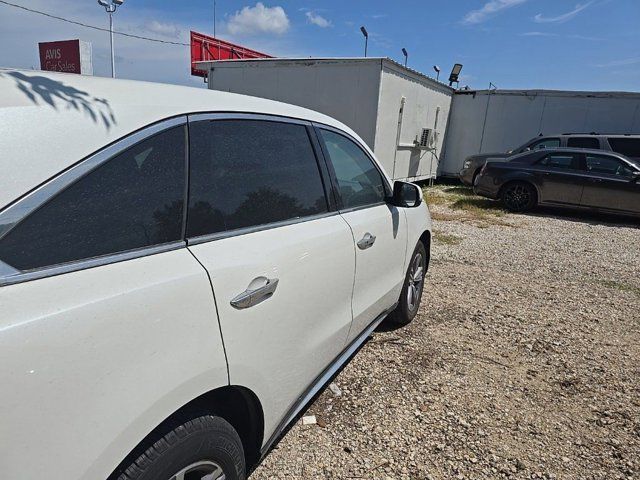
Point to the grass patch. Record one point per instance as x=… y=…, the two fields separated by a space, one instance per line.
x=479 y=206
x=459 y=203
x=622 y=287
x=446 y=238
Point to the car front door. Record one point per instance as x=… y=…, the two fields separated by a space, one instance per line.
x=280 y=258
x=559 y=178
x=610 y=184
x=379 y=229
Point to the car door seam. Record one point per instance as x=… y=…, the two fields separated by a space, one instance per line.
x=215 y=303
x=355 y=272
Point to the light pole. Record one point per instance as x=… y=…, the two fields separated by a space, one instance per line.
x=437 y=70
x=366 y=39
x=111 y=6
x=406 y=56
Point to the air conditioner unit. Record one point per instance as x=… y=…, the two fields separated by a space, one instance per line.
x=428 y=138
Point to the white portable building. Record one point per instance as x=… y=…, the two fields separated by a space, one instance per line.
x=484 y=121
x=400 y=113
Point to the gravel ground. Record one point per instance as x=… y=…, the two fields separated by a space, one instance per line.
x=524 y=361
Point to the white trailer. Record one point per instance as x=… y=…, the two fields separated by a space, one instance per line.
x=400 y=113
x=486 y=121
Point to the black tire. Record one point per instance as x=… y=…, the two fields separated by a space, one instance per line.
x=519 y=196
x=406 y=310
x=207 y=440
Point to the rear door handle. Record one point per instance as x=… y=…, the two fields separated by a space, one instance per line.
x=367 y=241
x=259 y=290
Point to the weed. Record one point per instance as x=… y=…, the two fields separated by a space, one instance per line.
x=446 y=238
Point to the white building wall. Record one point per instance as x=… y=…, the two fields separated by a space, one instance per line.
x=513 y=117
x=423 y=98
x=343 y=89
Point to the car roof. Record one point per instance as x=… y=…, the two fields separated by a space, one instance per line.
x=50 y=121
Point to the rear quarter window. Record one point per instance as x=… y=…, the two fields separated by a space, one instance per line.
x=625 y=146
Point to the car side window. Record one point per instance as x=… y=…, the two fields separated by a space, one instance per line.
x=626 y=146
x=133 y=200
x=608 y=166
x=560 y=161
x=360 y=183
x=245 y=173
x=545 y=143
x=584 y=142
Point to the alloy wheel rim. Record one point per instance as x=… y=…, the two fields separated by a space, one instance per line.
x=416 y=279
x=204 y=470
x=517 y=197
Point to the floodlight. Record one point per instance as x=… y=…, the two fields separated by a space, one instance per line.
x=455 y=73
x=104 y=3
x=437 y=70
x=118 y=2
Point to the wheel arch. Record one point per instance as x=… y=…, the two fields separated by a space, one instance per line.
x=236 y=404
x=425 y=238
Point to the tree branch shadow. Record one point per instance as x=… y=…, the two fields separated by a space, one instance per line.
x=44 y=90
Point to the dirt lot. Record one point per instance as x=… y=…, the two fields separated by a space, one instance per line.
x=524 y=361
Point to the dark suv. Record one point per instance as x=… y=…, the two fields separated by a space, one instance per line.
x=628 y=145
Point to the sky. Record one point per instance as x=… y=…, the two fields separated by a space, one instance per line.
x=546 y=44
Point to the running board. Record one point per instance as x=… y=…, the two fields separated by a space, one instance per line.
x=322 y=380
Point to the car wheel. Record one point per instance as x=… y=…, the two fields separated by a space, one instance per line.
x=204 y=448
x=412 y=289
x=519 y=196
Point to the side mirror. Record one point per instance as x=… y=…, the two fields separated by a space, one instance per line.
x=407 y=195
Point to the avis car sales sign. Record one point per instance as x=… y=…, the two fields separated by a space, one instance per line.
x=71 y=56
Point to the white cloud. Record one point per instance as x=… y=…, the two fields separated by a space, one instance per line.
x=318 y=20
x=539 y=18
x=619 y=63
x=165 y=29
x=488 y=10
x=539 y=34
x=259 y=19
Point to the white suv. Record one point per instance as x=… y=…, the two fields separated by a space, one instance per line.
x=181 y=271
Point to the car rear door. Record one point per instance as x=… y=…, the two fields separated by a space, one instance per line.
x=559 y=177
x=107 y=322
x=610 y=184
x=379 y=229
x=279 y=256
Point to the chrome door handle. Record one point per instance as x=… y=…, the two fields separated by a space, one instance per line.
x=367 y=241
x=259 y=290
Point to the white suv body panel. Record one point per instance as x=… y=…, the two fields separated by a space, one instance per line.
x=136 y=340
x=93 y=360
x=379 y=268
x=278 y=347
